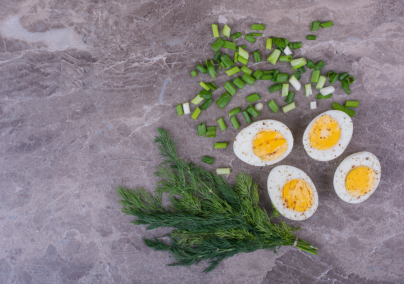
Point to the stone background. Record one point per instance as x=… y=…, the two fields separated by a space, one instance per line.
x=83 y=86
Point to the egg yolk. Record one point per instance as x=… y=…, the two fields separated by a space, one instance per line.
x=269 y=145
x=360 y=181
x=324 y=133
x=297 y=195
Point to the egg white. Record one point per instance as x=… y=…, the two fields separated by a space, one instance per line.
x=350 y=162
x=277 y=179
x=243 y=142
x=346 y=125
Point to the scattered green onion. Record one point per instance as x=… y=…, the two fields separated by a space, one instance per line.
x=343 y=76
x=193 y=73
x=226 y=31
x=229 y=45
x=207 y=160
x=273 y=58
x=279 y=42
x=295 y=45
x=242 y=59
x=201 y=129
x=345 y=87
x=272 y=105
x=311 y=37
x=257 y=56
x=350 y=79
x=313 y=105
x=243 y=53
x=219 y=62
x=215 y=30
x=235 y=122
x=274 y=73
x=348 y=111
x=246 y=70
x=212 y=86
x=180 y=111
x=315 y=76
x=308 y=90
x=267 y=75
x=217 y=56
x=239 y=83
x=295 y=83
x=220 y=145
x=250 y=38
x=234 y=111
x=275 y=88
x=334 y=78
x=257 y=74
x=218 y=44
x=285 y=90
x=210 y=131
x=310 y=64
x=201 y=68
x=337 y=106
x=243 y=46
x=315 y=26
x=297 y=63
x=203 y=85
x=352 y=103
x=186 y=108
x=327 y=90
x=205 y=94
x=223 y=100
x=235 y=56
x=211 y=68
x=206 y=104
x=223 y=171
x=256 y=34
x=253 y=97
x=321 y=82
x=290 y=97
x=236 y=35
x=251 y=110
x=247 y=116
x=258 y=27
x=302 y=70
x=281 y=77
x=233 y=71
x=287 y=51
x=248 y=79
x=196 y=113
x=227 y=60
x=330 y=74
x=269 y=43
x=289 y=107
x=285 y=58
x=230 y=88
x=326 y=24
x=197 y=100
x=321 y=97
x=221 y=123
x=297 y=75
x=319 y=65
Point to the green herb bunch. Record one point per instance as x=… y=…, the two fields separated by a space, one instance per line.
x=211 y=219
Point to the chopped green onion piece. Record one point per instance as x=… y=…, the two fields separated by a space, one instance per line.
x=279 y=42
x=201 y=129
x=297 y=63
x=221 y=123
x=226 y=31
x=220 y=64
x=251 y=110
x=207 y=160
x=229 y=45
x=330 y=74
x=246 y=70
x=197 y=100
x=243 y=53
x=247 y=116
x=212 y=86
x=285 y=58
x=211 y=69
x=281 y=77
x=257 y=56
x=311 y=37
x=273 y=58
x=334 y=78
x=230 y=88
x=217 y=56
x=321 y=97
x=258 y=27
x=327 y=90
x=315 y=26
x=290 y=97
x=257 y=74
x=313 y=105
x=297 y=75
x=319 y=65
x=272 y=105
x=321 y=82
x=223 y=171
x=205 y=94
x=234 y=111
x=235 y=56
x=201 y=68
x=180 y=111
x=345 y=87
x=337 y=106
x=269 y=43
x=236 y=35
x=227 y=60
x=295 y=83
x=308 y=90
x=315 y=76
x=256 y=34
x=203 y=85
x=267 y=75
x=196 y=113
x=233 y=71
x=326 y=24
x=223 y=100
x=235 y=122
x=289 y=107
x=242 y=59
x=206 y=104
x=302 y=70
x=193 y=73
x=248 y=79
x=211 y=131
x=243 y=46
x=215 y=30
x=350 y=79
x=253 y=97
x=348 y=111
x=295 y=45
x=186 y=108
x=239 y=83
x=275 y=88
x=310 y=64
x=250 y=38
x=285 y=90
x=343 y=76
x=218 y=44
x=352 y=103
x=220 y=145
x=274 y=73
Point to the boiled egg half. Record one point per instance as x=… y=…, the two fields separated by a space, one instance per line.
x=328 y=135
x=357 y=177
x=292 y=192
x=263 y=143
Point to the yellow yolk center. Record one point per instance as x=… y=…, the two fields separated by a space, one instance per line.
x=297 y=195
x=360 y=181
x=269 y=145
x=324 y=133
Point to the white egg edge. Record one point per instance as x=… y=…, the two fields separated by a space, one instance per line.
x=275 y=193
x=357 y=159
x=337 y=150
x=270 y=124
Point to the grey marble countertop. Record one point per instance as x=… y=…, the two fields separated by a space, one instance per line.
x=85 y=84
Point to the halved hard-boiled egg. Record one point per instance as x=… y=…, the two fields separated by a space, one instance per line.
x=357 y=177
x=292 y=192
x=327 y=135
x=264 y=142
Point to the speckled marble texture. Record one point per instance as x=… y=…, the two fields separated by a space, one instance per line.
x=83 y=86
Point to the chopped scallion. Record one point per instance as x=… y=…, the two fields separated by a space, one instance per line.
x=274 y=73
x=273 y=106
x=302 y=70
x=258 y=27
x=196 y=113
x=230 y=88
x=247 y=116
x=267 y=75
x=218 y=44
x=242 y=60
x=227 y=60
x=211 y=69
x=234 y=111
x=343 y=76
x=243 y=53
x=210 y=131
x=186 y=108
x=285 y=58
x=251 y=110
x=297 y=75
x=297 y=63
x=201 y=68
x=212 y=86
x=180 y=111
x=201 y=129
x=308 y=90
x=327 y=90
x=217 y=56
x=205 y=94
x=311 y=37
x=223 y=171
x=321 y=82
x=220 y=145
x=273 y=58
x=256 y=34
x=236 y=35
x=246 y=70
x=350 y=79
x=285 y=90
x=315 y=76
x=315 y=26
x=319 y=65
x=289 y=107
x=203 y=85
x=287 y=51
x=243 y=46
x=239 y=83
x=257 y=56
x=352 y=103
x=253 y=97
x=215 y=30
x=268 y=43
x=221 y=123
x=279 y=42
x=235 y=56
x=295 y=83
x=275 y=88
x=223 y=100
x=197 y=100
x=257 y=74
x=321 y=97
x=290 y=97
x=229 y=45
x=295 y=45
x=281 y=77
x=248 y=79
x=348 y=111
x=250 y=38
x=334 y=78
x=310 y=64
x=226 y=31
x=193 y=73
x=326 y=24
x=206 y=104
x=313 y=105
x=235 y=122
x=207 y=160
x=345 y=87
x=330 y=74
x=233 y=71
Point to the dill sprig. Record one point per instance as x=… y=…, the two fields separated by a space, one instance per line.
x=211 y=219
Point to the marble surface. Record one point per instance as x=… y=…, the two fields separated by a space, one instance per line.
x=84 y=85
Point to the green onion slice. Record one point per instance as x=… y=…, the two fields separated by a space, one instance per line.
x=253 y=97
x=207 y=160
x=221 y=123
x=272 y=105
x=215 y=30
